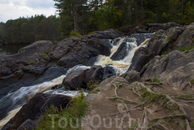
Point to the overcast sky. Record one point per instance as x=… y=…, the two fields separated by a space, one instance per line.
x=13 y=9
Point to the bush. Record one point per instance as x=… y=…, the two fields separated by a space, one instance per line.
x=68 y=117
x=186 y=48
x=31 y=62
x=42 y=55
x=156 y=80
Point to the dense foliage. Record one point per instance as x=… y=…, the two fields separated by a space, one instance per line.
x=91 y=15
x=28 y=30
x=85 y=16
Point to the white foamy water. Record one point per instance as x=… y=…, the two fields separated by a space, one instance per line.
x=121 y=66
x=24 y=94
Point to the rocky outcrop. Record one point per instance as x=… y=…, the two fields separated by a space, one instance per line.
x=140 y=58
x=121 y=52
x=30 y=75
x=148 y=28
x=116 y=104
x=43 y=60
x=153 y=27
x=82 y=52
x=26 y=55
x=175 y=68
x=80 y=78
x=75 y=80
x=163 y=42
x=30 y=114
x=186 y=38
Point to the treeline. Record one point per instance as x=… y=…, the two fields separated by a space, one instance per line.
x=85 y=16
x=27 y=30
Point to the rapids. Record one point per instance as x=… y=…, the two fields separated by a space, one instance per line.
x=12 y=103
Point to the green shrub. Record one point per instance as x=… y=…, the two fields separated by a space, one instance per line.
x=74 y=33
x=42 y=55
x=96 y=91
x=91 y=85
x=31 y=62
x=186 y=48
x=68 y=117
x=156 y=80
x=169 y=38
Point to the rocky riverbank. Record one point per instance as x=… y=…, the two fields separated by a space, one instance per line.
x=157 y=88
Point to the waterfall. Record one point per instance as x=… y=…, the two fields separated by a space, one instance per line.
x=17 y=99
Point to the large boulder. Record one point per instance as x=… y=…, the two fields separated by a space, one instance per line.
x=132 y=76
x=35 y=108
x=80 y=78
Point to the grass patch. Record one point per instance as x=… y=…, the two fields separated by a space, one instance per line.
x=192 y=124
x=20 y=68
x=74 y=33
x=133 y=126
x=31 y=62
x=68 y=119
x=96 y=91
x=154 y=97
x=163 y=53
x=186 y=48
x=91 y=85
x=42 y=55
x=192 y=81
x=169 y=38
x=174 y=106
x=156 y=80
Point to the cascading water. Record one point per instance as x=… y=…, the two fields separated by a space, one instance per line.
x=121 y=66
x=14 y=101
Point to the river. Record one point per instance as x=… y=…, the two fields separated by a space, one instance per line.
x=10 y=49
x=23 y=95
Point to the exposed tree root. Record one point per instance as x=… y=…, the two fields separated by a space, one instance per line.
x=158 y=124
x=136 y=92
x=145 y=119
x=170 y=116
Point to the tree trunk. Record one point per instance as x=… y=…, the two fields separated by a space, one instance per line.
x=141 y=10
x=135 y=13
x=182 y=9
x=75 y=21
x=132 y=12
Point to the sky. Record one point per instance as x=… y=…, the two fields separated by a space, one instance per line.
x=13 y=9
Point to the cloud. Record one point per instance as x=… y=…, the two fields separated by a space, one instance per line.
x=13 y=9
x=40 y=3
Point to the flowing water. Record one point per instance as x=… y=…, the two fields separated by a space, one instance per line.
x=14 y=101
